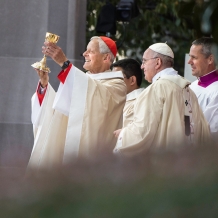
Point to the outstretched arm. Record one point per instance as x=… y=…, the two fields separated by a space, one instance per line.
x=43 y=77
x=42 y=86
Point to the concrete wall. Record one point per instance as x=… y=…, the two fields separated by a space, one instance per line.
x=188 y=70
x=22 y=31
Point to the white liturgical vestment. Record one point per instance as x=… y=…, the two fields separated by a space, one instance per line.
x=129 y=106
x=78 y=120
x=166 y=115
x=208 y=101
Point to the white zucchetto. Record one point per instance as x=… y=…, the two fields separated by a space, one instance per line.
x=163 y=49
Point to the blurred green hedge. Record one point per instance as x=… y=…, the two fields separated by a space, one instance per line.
x=161 y=184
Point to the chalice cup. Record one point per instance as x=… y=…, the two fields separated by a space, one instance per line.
x=41 y=65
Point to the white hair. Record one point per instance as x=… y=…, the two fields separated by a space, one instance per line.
x=103 y=48
x=166 y=60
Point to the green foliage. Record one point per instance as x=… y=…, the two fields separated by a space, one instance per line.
x=176 y=22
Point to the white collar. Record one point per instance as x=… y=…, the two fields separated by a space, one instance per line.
x=106 y=75
x=208 y=73
x=167 y=71
x=134 y=94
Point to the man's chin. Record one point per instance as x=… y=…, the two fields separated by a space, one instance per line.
x=147 y=79
x=85 y=66
x=194 y=73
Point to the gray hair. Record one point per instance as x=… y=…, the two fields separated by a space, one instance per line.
x=209 y=47
x=166 y=60
x=103 y=48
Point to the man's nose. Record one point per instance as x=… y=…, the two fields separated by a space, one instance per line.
x=84 y=53
x=189 y=61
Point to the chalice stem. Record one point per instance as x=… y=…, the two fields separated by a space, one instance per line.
x=41 y=65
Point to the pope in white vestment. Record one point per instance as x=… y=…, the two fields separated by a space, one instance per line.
x=78 y=120
x=166 y=114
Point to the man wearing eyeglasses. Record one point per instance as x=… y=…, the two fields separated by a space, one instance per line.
x=166 y=114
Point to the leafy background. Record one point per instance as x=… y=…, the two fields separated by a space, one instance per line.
x=176 y=22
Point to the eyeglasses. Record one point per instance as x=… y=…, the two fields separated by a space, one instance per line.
x=144 y=61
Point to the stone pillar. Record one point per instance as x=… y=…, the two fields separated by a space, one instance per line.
x=22 y=28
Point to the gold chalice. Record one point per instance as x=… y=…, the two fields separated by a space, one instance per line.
x=41 y=65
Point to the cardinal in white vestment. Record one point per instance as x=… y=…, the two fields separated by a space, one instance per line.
x=166 y=114
x=203 y=61
x=78 y=121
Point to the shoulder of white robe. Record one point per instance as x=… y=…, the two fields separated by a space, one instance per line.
x=106 y=75
x=180 y=81
x=134 y=94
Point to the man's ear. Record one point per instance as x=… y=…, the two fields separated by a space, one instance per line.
x=211 y=59
x=133 y=80
x=158 y=63
x=106 y=57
